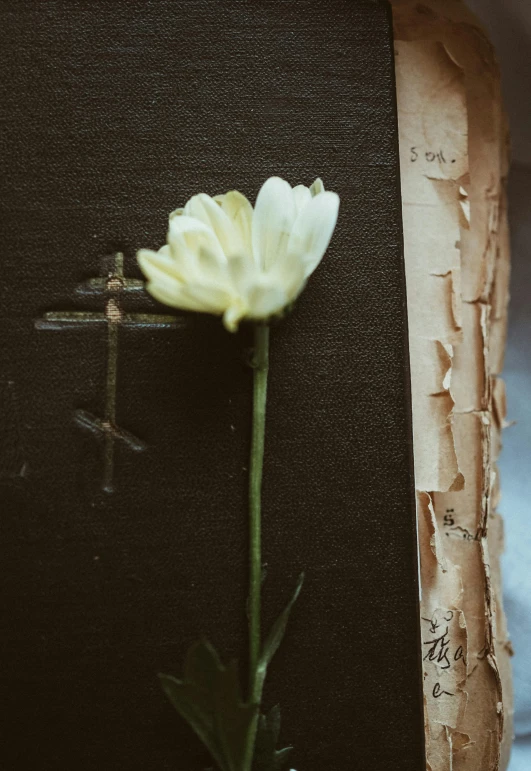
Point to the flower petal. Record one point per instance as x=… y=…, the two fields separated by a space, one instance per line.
x=242 y=274
x=233 y=315
x=206 y=210
x=208 y=297
x=171 y=293
x=187 y=236
x=266 y=299
x=182 y=226
x=274 y=215
x=313 y=230
x=164 y=281
x=317 y=187
x=157 y=266
x=212 y=270
x=302 y=196
x=290 y=274
x=240 y=212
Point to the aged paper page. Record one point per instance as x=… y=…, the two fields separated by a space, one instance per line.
x=453 y=153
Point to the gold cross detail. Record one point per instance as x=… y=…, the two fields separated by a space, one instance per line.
x=113 y=286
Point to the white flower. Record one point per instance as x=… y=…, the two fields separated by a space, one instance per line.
x=225 y=258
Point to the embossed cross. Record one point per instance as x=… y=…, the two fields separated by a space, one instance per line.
x=114 y=285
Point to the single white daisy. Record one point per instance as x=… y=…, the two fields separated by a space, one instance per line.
x=226 y=258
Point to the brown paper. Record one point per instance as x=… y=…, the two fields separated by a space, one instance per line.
x=453 y=151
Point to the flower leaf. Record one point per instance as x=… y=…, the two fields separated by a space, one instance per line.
x=235 y=720
x=209 y=699
x=194 y=706
x=266 y=757
x=202 y=665
x=276 y=634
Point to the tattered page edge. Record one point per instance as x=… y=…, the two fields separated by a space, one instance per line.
x=490 y=276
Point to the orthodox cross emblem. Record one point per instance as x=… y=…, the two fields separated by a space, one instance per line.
x=114 y=287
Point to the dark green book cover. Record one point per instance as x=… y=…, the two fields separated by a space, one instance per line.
x=125 y=428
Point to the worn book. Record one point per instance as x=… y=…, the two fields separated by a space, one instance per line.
x=126 y=426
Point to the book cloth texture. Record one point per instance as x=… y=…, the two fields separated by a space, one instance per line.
x=126 y=428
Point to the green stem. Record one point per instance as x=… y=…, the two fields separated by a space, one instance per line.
x=261 y=365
